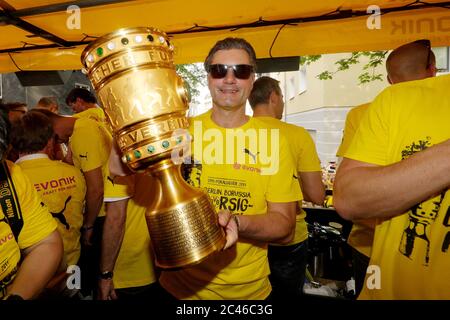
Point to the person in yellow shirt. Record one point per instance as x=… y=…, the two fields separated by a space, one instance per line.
x=134 y=276
x=403 y=64
x=288 y=262
x=90 y=144
x=60 y=185
x=31 y=248
x=84 y=104
x=396 y=171
x=260 y=190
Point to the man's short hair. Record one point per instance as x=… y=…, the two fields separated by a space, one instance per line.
x=32 y=132
x=15 y=106
x=47 y=102
x=81 y=93
x=262 y=88
x=228 y=44
x=51 y=115
x=410 y=61
x=4 y=132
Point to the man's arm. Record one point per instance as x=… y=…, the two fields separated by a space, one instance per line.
x=38 y=266
x=116 y=166
x=312 y=187
x=276 y=226
x=94 y=200
x=113 y=233
x=363 y=190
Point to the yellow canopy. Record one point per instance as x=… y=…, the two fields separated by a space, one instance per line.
x=50 y=35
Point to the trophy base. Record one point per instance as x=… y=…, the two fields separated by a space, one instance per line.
x=186 y=234
x=182 y=222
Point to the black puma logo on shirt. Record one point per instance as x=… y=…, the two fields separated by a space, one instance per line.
x=60 y=215
x=251 y=154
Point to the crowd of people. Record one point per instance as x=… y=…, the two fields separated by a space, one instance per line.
x=64 y=205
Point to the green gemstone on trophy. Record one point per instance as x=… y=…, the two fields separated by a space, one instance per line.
x=124 y=41
x=179 y=139
x=128 y=157
x=151 y=149
x=100 y=51
x=137 y=154
x=165 y=144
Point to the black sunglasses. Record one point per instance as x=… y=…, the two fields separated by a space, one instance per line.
x=427 y=44
x=241 y=71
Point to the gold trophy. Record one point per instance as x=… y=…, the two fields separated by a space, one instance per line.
x=145 y=101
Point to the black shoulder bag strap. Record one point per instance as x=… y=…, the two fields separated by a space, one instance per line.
x=9 y=201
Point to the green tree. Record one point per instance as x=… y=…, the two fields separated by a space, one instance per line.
x=194 y=77
x=370 y=72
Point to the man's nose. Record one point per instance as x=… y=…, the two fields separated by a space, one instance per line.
x=230 y=77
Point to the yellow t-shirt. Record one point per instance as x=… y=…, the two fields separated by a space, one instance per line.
x=134 y=265
x=360 y=237
x=411 y=249
x=62 y=189
x=243 y=185
x=96 y=114
x=91 y=144
x=37 y=225
x=306 y=159
x=352 y=122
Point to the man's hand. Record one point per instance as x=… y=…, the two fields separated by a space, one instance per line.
x=106 y=290
x=86 y=237
x=228 y=222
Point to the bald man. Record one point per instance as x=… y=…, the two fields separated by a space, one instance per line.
x=411 y=61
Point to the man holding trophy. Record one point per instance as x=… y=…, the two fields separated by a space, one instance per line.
x=237 y=165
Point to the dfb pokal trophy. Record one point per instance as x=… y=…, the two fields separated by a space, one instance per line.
x=145 y=102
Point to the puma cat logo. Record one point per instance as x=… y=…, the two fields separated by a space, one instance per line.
x=251 y=154
x=60 y=215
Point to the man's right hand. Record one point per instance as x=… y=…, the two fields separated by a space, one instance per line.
x=106 y=290
x=228 y=222
x=86 y=237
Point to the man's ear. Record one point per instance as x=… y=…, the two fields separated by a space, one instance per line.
x=432 y=69
x=50 y=148
x=273 y=98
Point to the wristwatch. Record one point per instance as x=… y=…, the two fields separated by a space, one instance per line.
x=106 y=275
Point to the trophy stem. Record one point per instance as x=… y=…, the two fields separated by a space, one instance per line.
x=182 y=222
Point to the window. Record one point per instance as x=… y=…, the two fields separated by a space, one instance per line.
x=442 y=62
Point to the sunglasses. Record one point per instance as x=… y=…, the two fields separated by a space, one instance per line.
x=427 y=44
x=241 y=71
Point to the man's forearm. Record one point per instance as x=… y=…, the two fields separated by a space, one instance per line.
x=94 y=202
x=363 y=191
x=113 y=233
x=312 y=186
x=38 y=267
x=273 y=227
